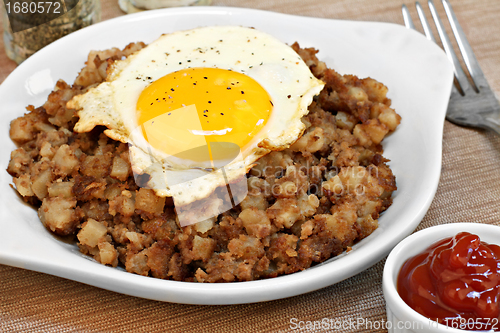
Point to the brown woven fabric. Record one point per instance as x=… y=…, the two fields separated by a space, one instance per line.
x=469 y=190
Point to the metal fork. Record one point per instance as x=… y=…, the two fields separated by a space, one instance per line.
x=474 y=104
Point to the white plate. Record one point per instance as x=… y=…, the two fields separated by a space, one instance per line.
x=417 y=73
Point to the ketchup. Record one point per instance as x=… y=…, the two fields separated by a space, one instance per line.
x=455 y=282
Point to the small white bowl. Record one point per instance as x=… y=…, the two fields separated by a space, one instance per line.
x=401 y=318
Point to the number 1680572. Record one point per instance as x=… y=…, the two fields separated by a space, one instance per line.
x=46 y=7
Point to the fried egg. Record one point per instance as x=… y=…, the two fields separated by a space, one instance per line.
x=198 y=108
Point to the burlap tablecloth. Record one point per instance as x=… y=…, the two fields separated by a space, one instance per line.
x=469 y=190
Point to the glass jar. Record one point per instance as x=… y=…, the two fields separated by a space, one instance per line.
x=30 y=25
x=134 y=6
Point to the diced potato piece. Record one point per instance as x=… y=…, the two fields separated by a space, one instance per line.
x=131 y=48
x=311 y=141
x=108 y=254
x=369 y=208
x=102 y=54
x=333 y=185
x=61 y=189
x=246 y=247
x=308 y=204
x=44 y=127
x=88 y=76
x=286 y=189
x=306 y=229
x=390 y=118
x=367 y=225
x=206 y=225
x=21 y=129
x=340 y=224
x=112 y=191
x=361 y=135
x=65 y=160
x=91 y=232
x=255 y=222
x=120 y=169
x=203 y=248
x=123 y=204
x=97 y=166
x=376 y=130
x=137 y=263
x=358 y=94
x=352 y=177
x=345 y=121
x=46 y=150
x=376 y=91
x=283 y=246
x=23 y=185
x=138 y=240
x=19 y=161
x=39 y=183
x=58 y=215
x=285 y=212
x=147 y=201
x=258 y=201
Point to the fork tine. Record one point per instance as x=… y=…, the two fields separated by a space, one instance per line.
x=407 y=18
x=425 y=24
x=469 y=58
x=448 y=47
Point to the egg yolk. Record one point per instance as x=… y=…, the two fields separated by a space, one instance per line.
x=196 y=106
